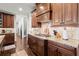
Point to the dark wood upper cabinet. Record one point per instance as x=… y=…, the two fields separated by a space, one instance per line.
x=57 y=13
x=78 y=13
x=42 y=8
x=8 y=21
x=74 y=13
x=70 y=13
x=60 y=14
x=34 y=20
x=64 y=14
x=12 y=21
x=67 y=8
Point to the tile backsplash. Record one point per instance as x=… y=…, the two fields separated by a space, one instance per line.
x=73 y=32
x=7 y=30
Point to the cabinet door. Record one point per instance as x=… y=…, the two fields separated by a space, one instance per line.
x=67 y=13
x=42 y=8
x=32 y=41
x=74 y=13
x=65 y=52
x=78 y=13
x=8 y=21
x=57 y=13
x=12 y=21
x=8 y=39
x=40 y=47
x=52 y=50
x=4 y=21
x=34 y=20
x=70 y=13
x=44 y=17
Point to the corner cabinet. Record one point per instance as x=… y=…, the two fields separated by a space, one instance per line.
x=37 y=45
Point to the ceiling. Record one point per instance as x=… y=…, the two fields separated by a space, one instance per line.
x=13 y=8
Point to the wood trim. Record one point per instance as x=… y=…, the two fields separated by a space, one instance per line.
x=70 y=25
x=50 y=12
x=77 y=13
x=43 y=13
x=33 y=10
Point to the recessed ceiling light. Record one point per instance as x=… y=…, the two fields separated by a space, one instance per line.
x=41 y=7
x=20 y=9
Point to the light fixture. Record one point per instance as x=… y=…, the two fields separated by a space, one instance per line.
x=41 y=7
x=20 y=9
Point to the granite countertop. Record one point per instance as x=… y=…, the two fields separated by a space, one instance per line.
x=4 y=33
x=1 y=38
x=70 y=42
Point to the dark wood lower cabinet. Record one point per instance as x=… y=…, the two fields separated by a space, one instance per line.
x=57 y=49
x=52 y=50
x=36 y=45
x=65 y=52
x=43 y=47
x=8 y=39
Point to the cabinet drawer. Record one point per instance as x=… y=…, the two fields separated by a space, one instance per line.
x=65 y=52
x=61 y=45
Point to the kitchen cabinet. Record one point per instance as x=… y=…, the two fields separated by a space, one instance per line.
x=60 y=14
x=8 y=39
x=37 y=45
x=78 y=13
x=67 y=14
x=1 y=20
x=64 y=52
x=34 y=20
x=57 y=13
x=44 y=17
x=32 y=42
x=12 y=21
x=42 y=8
x=52 y=50
x=74 y=14
x=7 y=20
x=4 y=21
x=40 y=47
x=70 y=14
x=57 y=49
x=45 y=47
x=64 y=14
